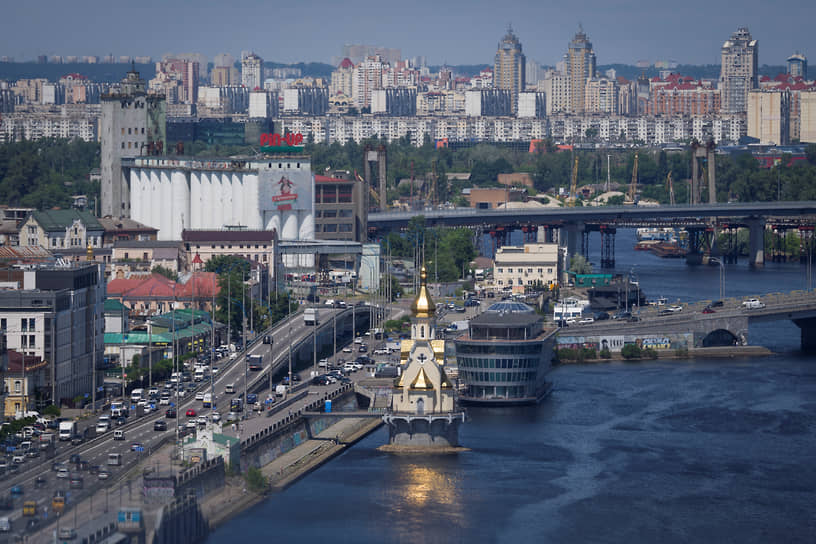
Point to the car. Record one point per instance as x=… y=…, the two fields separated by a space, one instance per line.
x=472 y=302
x=170 y=413
x=255 y=367
x=191 y=424
x=190 y=413
x=18 y=458
x=358 y=340
x=164 y=401
x=17 y=490
x=75 y=482
x=57 y=465
x=349 y=367
x=752 y=304
x=120 y=421
x=214 y=370
x=136 y=446
x=675 y=309
x=103 y=475
x=362 y=349
x=716 y=304
x=320 y=380
x=75 y=458
x=199 y=395
x=160 y=425
x=40 y=481
x=118 y=434
x=708 y=310
x=586 y=321
x=66 y=533
x=76 y=440
x=323 y=362
x=202 y=420
x=216 y=417
x=102 y=427
x=665 y=311
x=634 y=319
x=32 y=524
x=347 y=349
x=622 y=314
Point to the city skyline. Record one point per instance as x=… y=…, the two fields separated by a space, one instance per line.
x=458 y=33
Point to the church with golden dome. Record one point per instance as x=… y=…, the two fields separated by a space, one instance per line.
x=423 y=414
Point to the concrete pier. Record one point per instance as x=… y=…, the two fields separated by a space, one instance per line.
x=756 y=243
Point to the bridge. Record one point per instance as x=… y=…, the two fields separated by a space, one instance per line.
x=574 y=223
x=727 y=325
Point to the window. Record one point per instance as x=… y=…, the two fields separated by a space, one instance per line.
x=32 y=342
x=329 y=213
x=144 y=256
x=129 y=130
x=130 y=145
x=344 y=213
x=501 y=270
x=32 y=323
x=346 y=227
x=126 y=255
x=24 y=325
x=18 y=386
x=123 y=131
x=3 y=324
x=330 y=228
x=142 y=130
x=123 y=145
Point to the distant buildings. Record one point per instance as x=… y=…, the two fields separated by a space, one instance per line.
x=738 y=72
x=252 y=72
x=580 y=67
x=797 y=65
x=509 y=66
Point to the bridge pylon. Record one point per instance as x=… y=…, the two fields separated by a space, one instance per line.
x=607 y=246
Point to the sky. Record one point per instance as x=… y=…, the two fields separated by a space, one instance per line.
x=444 y=31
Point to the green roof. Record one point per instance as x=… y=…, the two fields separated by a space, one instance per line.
x=112 y=305
x=141 y=337
x=59 y=220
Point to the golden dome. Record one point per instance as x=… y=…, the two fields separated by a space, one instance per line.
x=89 y=252
x=423 y=306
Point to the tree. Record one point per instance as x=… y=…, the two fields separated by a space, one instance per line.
x=579 y=265
x=166 y=272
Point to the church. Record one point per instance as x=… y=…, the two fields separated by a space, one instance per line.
x=423 y=416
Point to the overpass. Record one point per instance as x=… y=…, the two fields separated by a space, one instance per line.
x=728 y=325
x=573 y=223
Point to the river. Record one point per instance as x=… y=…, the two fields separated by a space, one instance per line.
x=668 y=451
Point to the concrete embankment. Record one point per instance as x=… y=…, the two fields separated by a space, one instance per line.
x=234 y=498
x=719 y=352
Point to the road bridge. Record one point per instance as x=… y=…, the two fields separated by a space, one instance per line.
x=727 y=325
x=572 y=223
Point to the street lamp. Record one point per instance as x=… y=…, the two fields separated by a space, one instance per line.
x=722 y=275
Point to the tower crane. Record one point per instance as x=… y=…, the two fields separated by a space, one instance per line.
x=573 y=192
x=670 y=186
x=631 y=198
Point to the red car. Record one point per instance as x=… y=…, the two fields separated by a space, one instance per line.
x=708 y=310
x=190 y=413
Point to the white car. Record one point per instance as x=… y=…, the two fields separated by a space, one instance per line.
x=752 y=303
x=199 y=395
x=323 y=362
x=202 y=420
x=216 y=417
x=358 y=340
x=347 y=349
x=586 y=321
x=349 y=367
x=675 y=309
x=164 y=401
x=381 y=351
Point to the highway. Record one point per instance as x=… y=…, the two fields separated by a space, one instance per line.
x=140 y=429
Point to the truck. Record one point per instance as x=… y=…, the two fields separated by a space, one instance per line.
x=207 y=401
x=255 y=362
x=310 y=316
x=118 y=409
x=67 y=429
x=280 y=391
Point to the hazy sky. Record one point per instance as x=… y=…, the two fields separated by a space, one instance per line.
x=453 y=31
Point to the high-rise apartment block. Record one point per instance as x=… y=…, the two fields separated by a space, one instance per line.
x=509 y=66
x=797 y=65
x=807 y=117
x=341 y=79
x=556 y=88
x=252 y=71
x=738 y=72
x=769 y=116
x=580 y=65
x=132 y=124
x=366 y=77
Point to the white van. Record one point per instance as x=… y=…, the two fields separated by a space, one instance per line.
x=114 y=459
x=230 y=389
x=136 y=395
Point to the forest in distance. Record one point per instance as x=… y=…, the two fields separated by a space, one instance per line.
x=45 y=173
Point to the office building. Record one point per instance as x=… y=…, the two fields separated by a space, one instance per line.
x=580 y=68
x=738 y=72
x=519 y=267
x=48 y=313
x=340 y=208
x=509 y=67
x=132 y=124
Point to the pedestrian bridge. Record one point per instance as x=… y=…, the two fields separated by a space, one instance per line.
x=727 y=325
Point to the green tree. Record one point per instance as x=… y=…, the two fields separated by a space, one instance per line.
x=166 y=272
x=255 y=480
x=579 y=265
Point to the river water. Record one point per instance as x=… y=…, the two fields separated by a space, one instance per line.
x=675 y=451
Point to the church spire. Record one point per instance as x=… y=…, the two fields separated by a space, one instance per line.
x=423 y=306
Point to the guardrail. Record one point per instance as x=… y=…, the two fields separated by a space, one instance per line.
x=294 y=416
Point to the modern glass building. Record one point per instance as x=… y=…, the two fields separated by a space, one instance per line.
x=505 y=356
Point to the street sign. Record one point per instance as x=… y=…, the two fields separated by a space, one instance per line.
x=140 y=449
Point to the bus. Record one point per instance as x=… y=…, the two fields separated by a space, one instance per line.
x=236 y=405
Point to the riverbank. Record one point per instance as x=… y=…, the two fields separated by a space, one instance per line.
x=234 y=498
x=718 y=352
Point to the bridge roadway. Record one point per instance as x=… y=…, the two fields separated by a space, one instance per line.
x=466 y=217
x=732 y=316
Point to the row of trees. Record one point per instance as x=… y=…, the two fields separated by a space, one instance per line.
x=45 y=173
x=447 y=252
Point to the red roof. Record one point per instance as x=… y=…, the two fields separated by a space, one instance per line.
x=155 y=286
x=765 y=78
x=200 y=285
x=346 y=64
x=327 y=179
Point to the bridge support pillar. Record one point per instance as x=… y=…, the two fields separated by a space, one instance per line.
x=571 y=241
x=608 y=246
x=808 y=331
x=756 y=242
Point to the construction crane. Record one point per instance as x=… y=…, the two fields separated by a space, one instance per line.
x=631 y=198
x=573 y=192
x=670 y=186
x=371 y=190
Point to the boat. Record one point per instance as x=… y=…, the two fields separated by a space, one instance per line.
x=668 y=250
